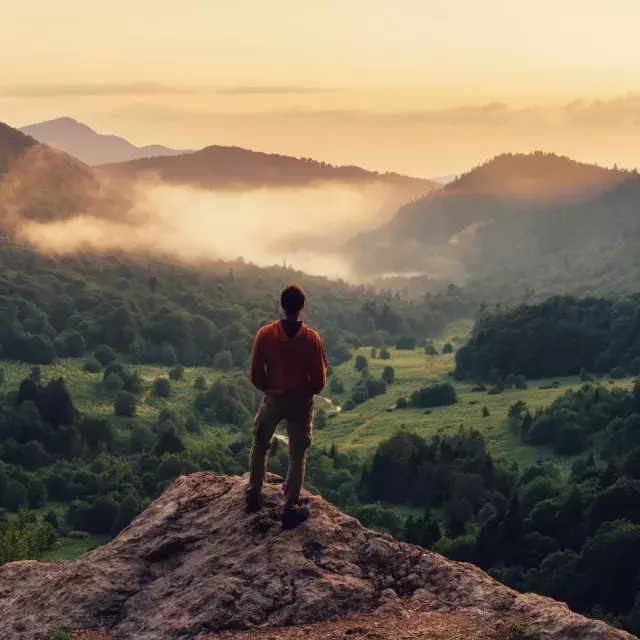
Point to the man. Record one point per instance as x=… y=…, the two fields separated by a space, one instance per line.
x=289 y=366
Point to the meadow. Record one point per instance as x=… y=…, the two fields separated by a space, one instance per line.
x=363 y=428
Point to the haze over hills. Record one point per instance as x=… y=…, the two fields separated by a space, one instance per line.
x=89 y=146
x=40 y=183
x=516 y=216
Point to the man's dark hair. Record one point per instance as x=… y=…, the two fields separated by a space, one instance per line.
x=292 y=299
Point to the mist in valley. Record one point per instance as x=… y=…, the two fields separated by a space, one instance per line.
x=306 y=227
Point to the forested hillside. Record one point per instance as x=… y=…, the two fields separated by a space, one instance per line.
x=561 y=336
x=233 y=167
x=535 y=223
x=163 y=311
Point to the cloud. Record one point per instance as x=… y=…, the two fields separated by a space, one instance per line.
x=149 y=88
x=623 y=111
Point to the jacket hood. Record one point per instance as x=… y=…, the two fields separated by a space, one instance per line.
x=281 y=334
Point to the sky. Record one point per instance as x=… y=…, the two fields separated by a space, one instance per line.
x=417 y=86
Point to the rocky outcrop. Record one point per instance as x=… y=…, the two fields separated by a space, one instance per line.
x=194 y=565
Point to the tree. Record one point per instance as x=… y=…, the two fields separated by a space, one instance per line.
x=36 y=494
x=360 y=363
x=401 y=403
x=92 y=366
x=113 y=383
x=485 y=412
x=571 y=439
x=320 y=420
x=336 y=386
x=51 y=517
x=142 y=439
x=373 y=354
x=162 y=387
x=447 y=348
x=430 y=349
x=125 y=404
x=223 y=361
x=22 y=539
x=129 y=509
x=200 y=383
x=104 y=355
x=192 y=424
x=14 y=496
x=176 y=373
x=389 y=374
x=168 y=440
x=384 y=354
x=101 y=515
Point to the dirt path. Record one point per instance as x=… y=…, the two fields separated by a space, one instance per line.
x=145 y=396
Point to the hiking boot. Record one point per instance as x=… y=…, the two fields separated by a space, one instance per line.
x=252 y=502
x=293 y=516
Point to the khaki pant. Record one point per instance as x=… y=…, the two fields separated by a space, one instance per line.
x=297 y=410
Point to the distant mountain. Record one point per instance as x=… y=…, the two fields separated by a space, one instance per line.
x=218 y=167
x=92 y=148
x=532 y=218
x=39 y=182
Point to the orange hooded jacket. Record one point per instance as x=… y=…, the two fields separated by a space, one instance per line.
x=280 y=364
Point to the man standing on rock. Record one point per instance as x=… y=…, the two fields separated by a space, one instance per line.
x=289 y=366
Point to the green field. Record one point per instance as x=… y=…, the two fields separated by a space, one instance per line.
x=364 y=427
x=91 y=398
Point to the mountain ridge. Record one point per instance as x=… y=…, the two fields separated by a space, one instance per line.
x=218 y=166
x=194 y=564
x=93 y=148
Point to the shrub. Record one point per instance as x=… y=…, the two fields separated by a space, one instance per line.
x=162 y=387
x=401 y=403
x=336 y=385
x=485 y=412
x=125 y=404
x=223 y=361
x=92 y=366
x=384 y=354
x=448 y=348
x=360 y=394
x=176 y=373
x=406 y=343
x=434 y=395
x=360 y=363
x=373 y=354
x=349 y=405
x=200 y=383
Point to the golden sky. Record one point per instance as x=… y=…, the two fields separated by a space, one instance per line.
x=417 y=86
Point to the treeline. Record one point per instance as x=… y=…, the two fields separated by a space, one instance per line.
x=561 y=336
x=153 y=310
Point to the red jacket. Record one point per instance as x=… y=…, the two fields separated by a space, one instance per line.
x=280 y=364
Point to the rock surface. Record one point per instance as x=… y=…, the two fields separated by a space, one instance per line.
x=194 y=565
